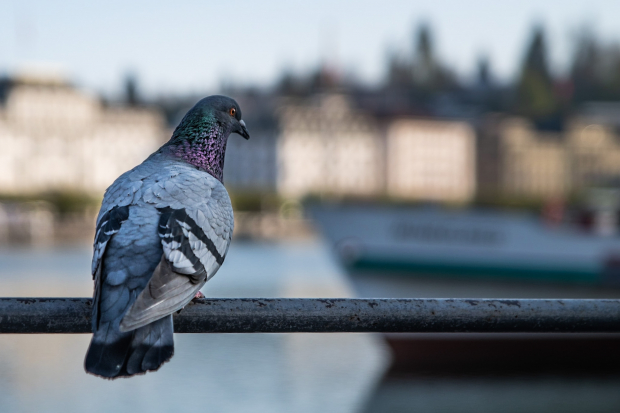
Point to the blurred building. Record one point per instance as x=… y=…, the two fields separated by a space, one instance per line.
x=326 y=147
x=431 y=160
x=526 y=162
x=55 y=137
x=252 y=166
x=593 y=153
x=516 y=159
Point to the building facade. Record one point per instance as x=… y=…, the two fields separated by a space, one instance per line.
x=593 y=153
x=55 y=138
x=326 y=146
x=431 y=160
x=534 y=161
x=516 y=159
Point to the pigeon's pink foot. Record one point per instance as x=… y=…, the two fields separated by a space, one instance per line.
x=198 y=296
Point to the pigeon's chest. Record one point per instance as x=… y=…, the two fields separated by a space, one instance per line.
x=170 y=185
x=202 y=196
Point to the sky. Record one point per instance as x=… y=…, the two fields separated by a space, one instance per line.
x=188 y=46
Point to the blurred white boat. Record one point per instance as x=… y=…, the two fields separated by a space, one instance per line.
x=467 y=244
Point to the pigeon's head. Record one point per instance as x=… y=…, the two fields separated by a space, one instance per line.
x=200 y=139
x=226 y=111
x=213 y=112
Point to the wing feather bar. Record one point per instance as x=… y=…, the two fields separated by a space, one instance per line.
x=109 y=224
x=181 y=272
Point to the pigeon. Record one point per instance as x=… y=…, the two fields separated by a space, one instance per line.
x=163 y=231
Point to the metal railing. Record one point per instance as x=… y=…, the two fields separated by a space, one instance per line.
x=288 y=315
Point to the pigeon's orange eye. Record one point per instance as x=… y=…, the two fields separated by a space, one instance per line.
x=232 y=111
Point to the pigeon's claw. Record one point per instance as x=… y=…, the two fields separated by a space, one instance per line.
x=198 y=296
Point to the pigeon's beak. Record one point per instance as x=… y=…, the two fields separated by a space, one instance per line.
x=243 y=130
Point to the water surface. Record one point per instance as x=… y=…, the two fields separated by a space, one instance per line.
x=209 y=372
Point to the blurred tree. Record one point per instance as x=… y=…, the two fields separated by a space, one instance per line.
x=420 y=72
x=424 y=66
x=399 y=71
x=321 y=79
x=324 y=78
x=485 y=92
x=585 y=63
x=131 y=90
x=427 y=73
x=483 y=77
x=535 y=97
x=595 y=72
x=287 y=84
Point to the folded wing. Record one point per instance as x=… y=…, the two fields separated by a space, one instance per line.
x=190 y=257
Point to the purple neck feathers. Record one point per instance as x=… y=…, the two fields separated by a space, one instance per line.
x=205 y=151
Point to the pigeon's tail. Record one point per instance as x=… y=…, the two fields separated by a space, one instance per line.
x=152 y=346
x=115 y=354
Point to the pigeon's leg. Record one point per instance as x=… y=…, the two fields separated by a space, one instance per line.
x=198 y=296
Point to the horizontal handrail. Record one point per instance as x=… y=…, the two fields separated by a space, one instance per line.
x=288 y=315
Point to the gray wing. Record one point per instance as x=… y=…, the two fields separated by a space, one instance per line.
x=109 y=224
x=194 y=236
x=126 y=190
